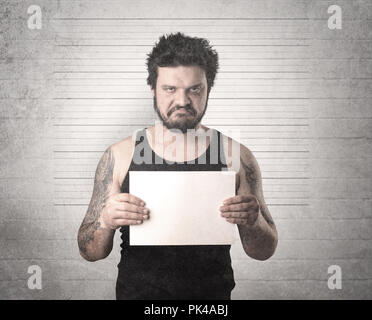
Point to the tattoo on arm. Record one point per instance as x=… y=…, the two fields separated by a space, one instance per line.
x=103 y=180
x=250 y=176
x=252 y=180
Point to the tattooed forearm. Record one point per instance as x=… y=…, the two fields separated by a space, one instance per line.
x=253 y=182
x=86 y=234
x=102 y=182
x=260 y=239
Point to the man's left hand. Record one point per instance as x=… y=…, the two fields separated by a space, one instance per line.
x=243 y=210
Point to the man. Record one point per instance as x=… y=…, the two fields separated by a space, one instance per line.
x=181 y=74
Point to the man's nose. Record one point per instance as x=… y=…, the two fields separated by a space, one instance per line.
x=182 y=99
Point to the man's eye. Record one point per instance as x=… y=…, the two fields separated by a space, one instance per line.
x=195 y=90
x=169 y=89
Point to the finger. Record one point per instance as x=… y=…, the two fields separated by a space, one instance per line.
x=236 y=214
x=127 y=222
x=237 y=221
x=127 y=197
x=130 y=216
x=131 y=207
x=245 y=206
x=238 y=199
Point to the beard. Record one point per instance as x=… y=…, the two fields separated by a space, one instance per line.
x=183 y=122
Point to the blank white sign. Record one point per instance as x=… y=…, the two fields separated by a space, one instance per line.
x=184 y=207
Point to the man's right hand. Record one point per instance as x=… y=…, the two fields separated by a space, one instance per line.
x=123 y=209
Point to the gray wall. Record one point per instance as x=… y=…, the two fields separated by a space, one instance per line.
x=299 y=93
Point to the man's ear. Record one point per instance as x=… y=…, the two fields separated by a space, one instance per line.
x=153 y=92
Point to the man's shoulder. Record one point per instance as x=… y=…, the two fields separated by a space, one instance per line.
x=232 y=144
x=236 y=152
x=123 y=145
x=123 y=153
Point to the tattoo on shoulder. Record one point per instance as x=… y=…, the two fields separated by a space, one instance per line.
x=252 y=180
x=103 y=180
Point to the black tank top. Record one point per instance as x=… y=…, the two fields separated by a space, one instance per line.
x=174 y=272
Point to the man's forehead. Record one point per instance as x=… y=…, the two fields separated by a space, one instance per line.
x=181 y=74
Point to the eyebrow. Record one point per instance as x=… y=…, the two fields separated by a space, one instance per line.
x=170 y=86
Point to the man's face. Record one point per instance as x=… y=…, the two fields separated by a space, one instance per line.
x=180 y=98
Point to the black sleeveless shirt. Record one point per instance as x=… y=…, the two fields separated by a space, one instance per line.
x=174 y=272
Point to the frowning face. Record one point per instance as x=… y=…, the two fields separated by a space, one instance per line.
x=181 y=96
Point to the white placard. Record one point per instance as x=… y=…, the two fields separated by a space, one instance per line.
x=184 y=207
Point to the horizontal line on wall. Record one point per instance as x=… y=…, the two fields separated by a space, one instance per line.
x=146 y=108
x=301 y=183
x=320 y=239
x=247 y=133
x=126 y=29
x=196 y=18
x=65 y=184
x=139 y=64
x=254 y=98
x=274 y=151
x=277 y=151
x=64 y=38
x=220 y=86
x=258 y=157
x=250 y=137
x=210 y=38
x=221 y=59
x=72 y=199
x=145 y=72
x=211 y=34
x=122 y=110
x=210 y=118
x=256 y=151
x=291 y=280
x=176 y=19
x=70 y=93
x=338 y=118
x=145 y=45
x=134 y=98
x=88 y=193
x=265 y=171
x=263 y=178
x=266 y=28
x=68 y=280
x=87 y=204
x=236 y=78
x=196 y=29
x=143 y=124
x=320 y=219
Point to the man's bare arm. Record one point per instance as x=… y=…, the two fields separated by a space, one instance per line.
x=260 y=239
x=95 y=242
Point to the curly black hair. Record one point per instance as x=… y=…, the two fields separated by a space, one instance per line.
x=177 y=49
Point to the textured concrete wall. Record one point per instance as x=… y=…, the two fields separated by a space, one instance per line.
x=299 y=92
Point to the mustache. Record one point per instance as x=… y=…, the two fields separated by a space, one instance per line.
x=187 y=107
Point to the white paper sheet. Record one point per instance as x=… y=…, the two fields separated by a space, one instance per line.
x=184 y=207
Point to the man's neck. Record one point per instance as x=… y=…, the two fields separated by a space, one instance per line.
x=178 y=146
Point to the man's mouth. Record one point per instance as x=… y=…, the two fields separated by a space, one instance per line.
x=182 y=110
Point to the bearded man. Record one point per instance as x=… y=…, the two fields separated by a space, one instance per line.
x=181 y=74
